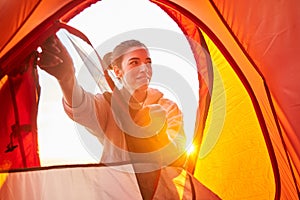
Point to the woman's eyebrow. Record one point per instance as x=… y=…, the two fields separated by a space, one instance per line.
x=134 y=58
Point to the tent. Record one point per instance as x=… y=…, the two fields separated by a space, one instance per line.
x=253 y=47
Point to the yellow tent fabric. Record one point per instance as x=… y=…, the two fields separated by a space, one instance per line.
x=232 y=136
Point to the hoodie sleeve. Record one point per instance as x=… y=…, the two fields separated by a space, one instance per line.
x=88 y=114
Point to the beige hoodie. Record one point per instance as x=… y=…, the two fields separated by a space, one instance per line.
x=163 y=149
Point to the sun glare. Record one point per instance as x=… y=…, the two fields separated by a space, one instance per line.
x=190 y=150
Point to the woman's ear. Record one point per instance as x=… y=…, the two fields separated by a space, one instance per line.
x=118 y=71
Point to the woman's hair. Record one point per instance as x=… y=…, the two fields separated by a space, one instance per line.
x=121 y=49
x=107 y=61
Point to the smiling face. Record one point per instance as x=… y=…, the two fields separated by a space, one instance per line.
x=135 y=71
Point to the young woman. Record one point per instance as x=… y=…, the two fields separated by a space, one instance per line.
x=135 y=124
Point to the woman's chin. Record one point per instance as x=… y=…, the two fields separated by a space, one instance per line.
x=142 y=88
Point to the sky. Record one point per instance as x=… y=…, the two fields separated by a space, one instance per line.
x=103 y=23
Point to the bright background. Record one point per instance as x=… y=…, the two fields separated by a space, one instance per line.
x=59 y=142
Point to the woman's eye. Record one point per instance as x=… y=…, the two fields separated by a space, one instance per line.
x=135 y=62
x=148 y=61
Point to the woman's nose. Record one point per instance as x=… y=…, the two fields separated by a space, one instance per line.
x=147 y=66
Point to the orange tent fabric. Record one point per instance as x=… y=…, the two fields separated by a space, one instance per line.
x=18 y=122
x=253 y=48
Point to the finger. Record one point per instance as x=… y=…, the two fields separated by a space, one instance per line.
x=47 y=59
x=52 y=44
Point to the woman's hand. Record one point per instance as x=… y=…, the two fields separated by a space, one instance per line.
x=151 y=115
x=151 y=119
x=55 y=60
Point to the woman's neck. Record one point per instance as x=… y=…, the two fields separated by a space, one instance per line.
x=139 y=95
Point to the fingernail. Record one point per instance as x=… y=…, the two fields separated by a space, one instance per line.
x=57 y=50
x=58 y=60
